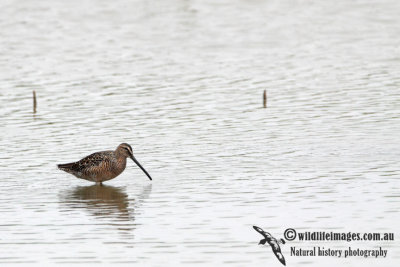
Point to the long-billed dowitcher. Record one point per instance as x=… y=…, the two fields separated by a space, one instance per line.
x=102 y=166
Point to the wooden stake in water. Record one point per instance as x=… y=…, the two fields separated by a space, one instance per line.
x=34 y=101
x=265 y=98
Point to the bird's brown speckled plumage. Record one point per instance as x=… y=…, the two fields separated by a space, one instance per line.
x=102 y=166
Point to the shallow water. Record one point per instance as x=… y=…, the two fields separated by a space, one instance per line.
x=182 y=82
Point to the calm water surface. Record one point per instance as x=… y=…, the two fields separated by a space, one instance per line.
x=182 y=82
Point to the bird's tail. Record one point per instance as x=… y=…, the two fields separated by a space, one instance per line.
x=65 y=167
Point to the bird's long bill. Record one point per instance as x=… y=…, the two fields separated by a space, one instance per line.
x=140 y=166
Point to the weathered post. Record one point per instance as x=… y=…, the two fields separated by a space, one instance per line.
x=34 y=101
x=265 y=98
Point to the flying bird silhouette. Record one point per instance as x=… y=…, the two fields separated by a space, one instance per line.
x=273 y=242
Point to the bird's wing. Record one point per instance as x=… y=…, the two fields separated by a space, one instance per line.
x=280 y=257
x=277 y=251
x=261 y=231
x=93 y=160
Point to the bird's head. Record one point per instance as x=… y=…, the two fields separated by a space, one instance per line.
x=125 y=150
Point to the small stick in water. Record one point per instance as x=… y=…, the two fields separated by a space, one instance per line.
x=265 y=98
x=34 y=101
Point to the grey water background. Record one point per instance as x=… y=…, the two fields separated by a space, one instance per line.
x=182 y=82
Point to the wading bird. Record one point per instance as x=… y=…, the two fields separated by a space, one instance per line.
x=273 y=242
x=102 y=166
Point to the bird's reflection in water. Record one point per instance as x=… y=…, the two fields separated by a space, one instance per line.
x=102 y=201
x=107 y=202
